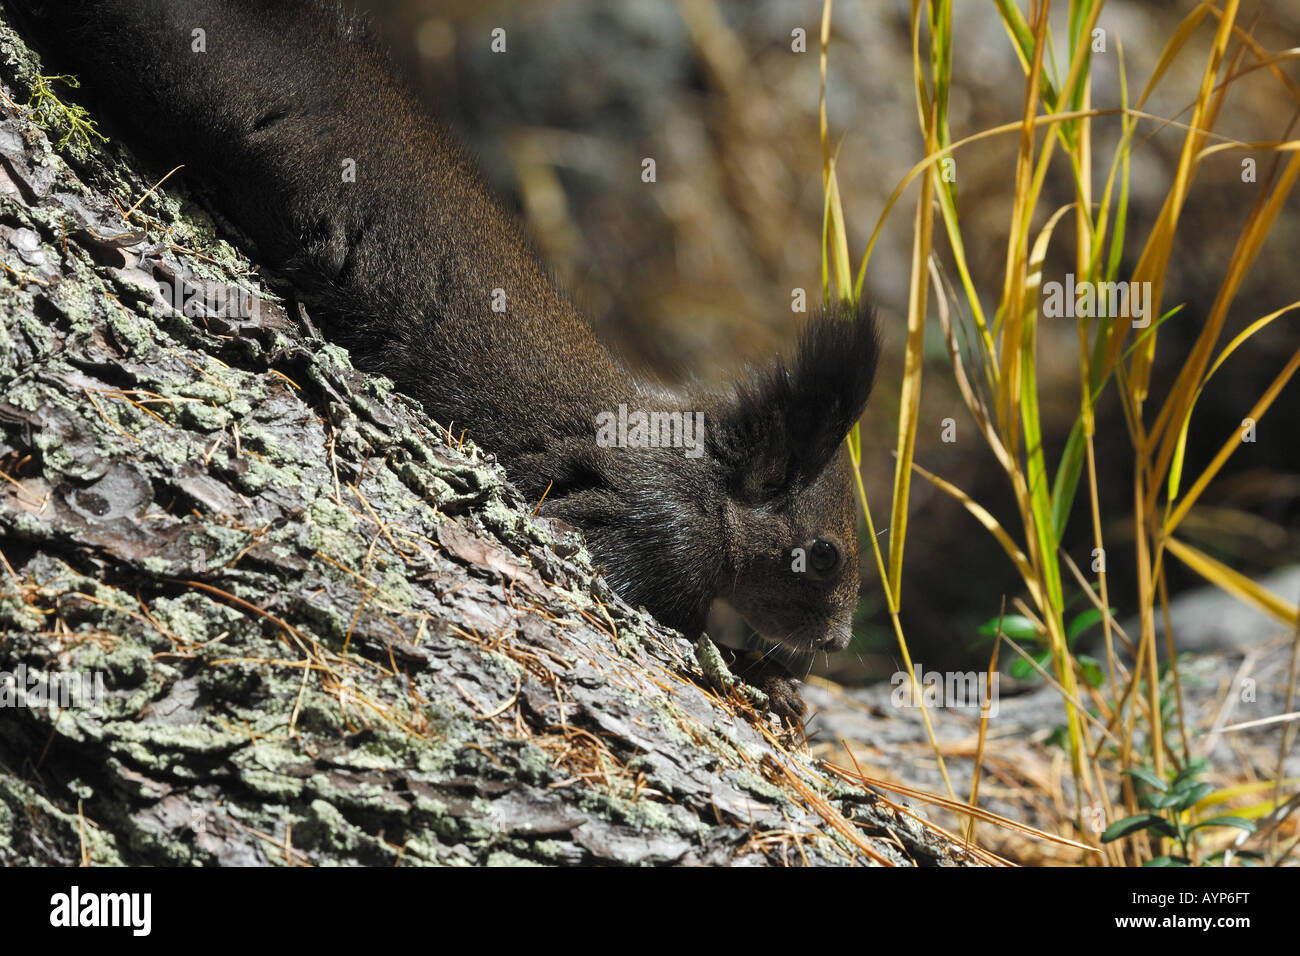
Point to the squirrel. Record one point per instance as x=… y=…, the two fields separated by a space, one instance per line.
x=268 y=102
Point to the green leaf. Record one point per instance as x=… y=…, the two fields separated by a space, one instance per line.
x=1162 y=801
x=1092 y=672
x=1148 y=777
x=1067 y=478
x=1195 y=795
x=1191 y=770
x=1082 y=622
x=1015 y=626
x=1122 y=828
x=1241 y=823
x=1167 y=861
x=1245 y=855
x=1165 y=828
x=1021 y=669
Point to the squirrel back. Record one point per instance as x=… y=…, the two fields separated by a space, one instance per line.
x=290 y=116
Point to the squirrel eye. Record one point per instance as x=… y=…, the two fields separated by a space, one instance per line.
x=823 y=556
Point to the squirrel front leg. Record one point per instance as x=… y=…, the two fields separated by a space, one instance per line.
x=774 y=678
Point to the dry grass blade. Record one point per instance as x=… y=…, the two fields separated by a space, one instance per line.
x=828 y=813
x=1232 y=581
x=988 y=521
x=957 y=806
x=1230 y=445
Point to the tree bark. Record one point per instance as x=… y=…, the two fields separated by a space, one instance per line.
x=316 y=628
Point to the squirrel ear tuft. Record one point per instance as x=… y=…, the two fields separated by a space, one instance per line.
x=787 y=421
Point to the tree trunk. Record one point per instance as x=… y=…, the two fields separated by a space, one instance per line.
x=314 y=627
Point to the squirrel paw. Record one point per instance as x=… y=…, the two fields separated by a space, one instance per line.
x=776 y=682
x=783 y=693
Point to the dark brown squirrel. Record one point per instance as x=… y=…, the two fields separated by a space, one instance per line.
x=269 y=102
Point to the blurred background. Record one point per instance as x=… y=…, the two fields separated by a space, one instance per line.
x=691 y=277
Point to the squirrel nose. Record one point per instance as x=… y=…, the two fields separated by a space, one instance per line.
x=836 y=640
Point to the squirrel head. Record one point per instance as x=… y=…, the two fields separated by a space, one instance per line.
x=761 y=512
x=790 y=506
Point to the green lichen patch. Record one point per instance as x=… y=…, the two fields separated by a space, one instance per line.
x=77 y=126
